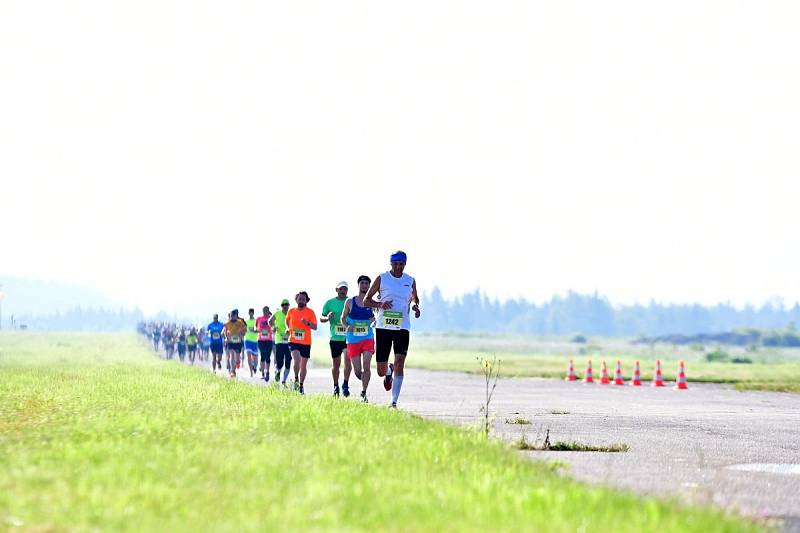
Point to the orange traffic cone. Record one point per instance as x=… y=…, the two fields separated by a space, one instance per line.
x=681 y=382
x=618 y=375
x=571 y=373
x=658 y=381
x=637 y=375
x=604 y=374
x=587 y=378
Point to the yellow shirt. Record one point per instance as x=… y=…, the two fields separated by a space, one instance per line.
x=234 y=330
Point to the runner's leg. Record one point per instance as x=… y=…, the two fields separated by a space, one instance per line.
x=366 y=362
x=296 y=363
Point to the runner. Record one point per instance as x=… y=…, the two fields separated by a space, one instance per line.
x=214 y=336
x=225 y=344
x=181 y=345
x=283 y=356
x=332 y=312
x=168 y=340
x=264 y=341
x=359 y=320
x=156 y=336
x=191 y=344
x=234 y=332
x=300 y=321
x=396 y=290
x=251 y=341
x=202 y=344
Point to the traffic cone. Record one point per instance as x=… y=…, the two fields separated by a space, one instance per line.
x=637 y=376
x=658 y=381
x=681 y=382
x=604 y=374
x=618 y=375
x=587 y=377
x=571 y=373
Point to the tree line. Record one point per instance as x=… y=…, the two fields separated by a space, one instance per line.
x=574 y=313
x=593 y=314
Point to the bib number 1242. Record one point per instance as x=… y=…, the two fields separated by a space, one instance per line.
x=392 y=319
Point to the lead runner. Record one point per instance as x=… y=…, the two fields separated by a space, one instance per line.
x=396 y=291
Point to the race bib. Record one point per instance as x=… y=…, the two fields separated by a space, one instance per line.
x=265 y=333
x=392 y=320
x=360 y=330
x=236 y=338
x=215 y=335
x=339 y=330
x=299 y=334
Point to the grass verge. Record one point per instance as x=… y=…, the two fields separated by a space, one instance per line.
x=783 y=376
x=97 y=433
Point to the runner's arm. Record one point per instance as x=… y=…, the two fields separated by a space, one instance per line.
x=312 y=325
x=415 y=299
x=345 y=312
x=373 y=290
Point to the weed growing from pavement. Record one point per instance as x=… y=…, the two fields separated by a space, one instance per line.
x=524 y=444
x=491 y=372
x=518 y=420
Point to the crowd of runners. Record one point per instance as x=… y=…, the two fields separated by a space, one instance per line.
x=374 y=321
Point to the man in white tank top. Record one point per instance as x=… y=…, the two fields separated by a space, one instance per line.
x=396 y=292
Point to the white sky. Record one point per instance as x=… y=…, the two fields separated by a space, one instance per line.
x=181 y=154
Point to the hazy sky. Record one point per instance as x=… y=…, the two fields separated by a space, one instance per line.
x=181 y=154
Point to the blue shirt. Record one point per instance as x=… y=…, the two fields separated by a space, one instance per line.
x=215 y=332
x=361 y=318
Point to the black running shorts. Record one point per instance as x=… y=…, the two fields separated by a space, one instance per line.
x=386 y=339
x=235 y=346
x=337 y=347
x=304 y=349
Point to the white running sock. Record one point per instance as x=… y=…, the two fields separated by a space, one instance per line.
x=397 y=382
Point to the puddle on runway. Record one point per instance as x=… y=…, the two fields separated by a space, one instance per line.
x=769 y=468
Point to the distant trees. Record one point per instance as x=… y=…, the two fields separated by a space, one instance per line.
x=80 y=319
x=593 y=314
x=579 y=316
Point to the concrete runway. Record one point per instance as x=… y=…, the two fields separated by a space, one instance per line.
x=684 y=444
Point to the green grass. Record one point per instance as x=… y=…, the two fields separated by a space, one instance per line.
x=774 y=371
x=96 y=433
x=573 y=446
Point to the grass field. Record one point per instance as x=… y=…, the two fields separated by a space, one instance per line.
x=775 y=370
x=97 y=433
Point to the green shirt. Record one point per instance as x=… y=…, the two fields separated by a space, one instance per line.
x=281 y=337
x=251 y=335
x=337 y=306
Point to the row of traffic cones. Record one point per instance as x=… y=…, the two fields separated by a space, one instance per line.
x=658 y=379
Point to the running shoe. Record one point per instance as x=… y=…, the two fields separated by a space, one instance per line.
x=296 y=385
x=364 y=396
x=387 y=379
x=302 y=390
x=336 y=391
x=346 y=389
x=277 y=376
x=393 y=405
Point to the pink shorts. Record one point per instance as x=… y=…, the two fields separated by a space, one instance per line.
x=355 y=350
